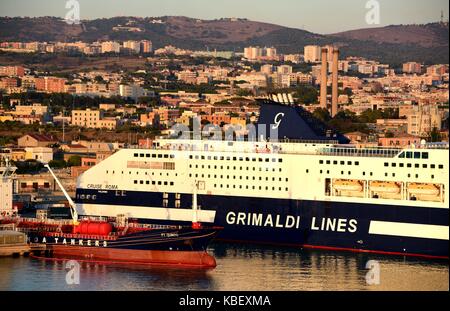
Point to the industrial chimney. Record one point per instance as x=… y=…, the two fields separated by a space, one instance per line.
x=334 y=80
x=323 y=79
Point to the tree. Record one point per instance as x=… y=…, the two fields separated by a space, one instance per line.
x=57 y=164
x=322 y=114
x=434 y=135
x=74 y=160
x=306 y=94
x=389 y=134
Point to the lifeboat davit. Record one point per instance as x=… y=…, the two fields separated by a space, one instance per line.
x=384 y=186
x=348 y=185
x=427 y=189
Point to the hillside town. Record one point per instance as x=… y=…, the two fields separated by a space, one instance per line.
x=74 y=120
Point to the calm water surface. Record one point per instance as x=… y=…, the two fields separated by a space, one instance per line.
x=239 y=267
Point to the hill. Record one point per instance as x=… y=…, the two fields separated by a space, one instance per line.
x=392 y=44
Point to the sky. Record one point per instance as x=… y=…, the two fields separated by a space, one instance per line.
x=319 y=16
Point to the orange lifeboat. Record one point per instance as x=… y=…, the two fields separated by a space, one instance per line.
x=347 y=185
x=423 y=189
x=384 y=186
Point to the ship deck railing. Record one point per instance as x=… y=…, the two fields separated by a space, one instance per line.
x=378 y=152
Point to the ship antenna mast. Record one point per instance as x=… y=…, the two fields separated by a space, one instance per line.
x=73 y=210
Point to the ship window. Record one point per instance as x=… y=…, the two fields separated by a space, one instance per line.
x=154 y=156
x=402 y=155
x=371 y=174
x=147 y=155
x=409 y=165
x=328 y=172
x=441 y=166
x=328 y=161
x=409 y=175
x=432 y=166
x=190 y=156
x=356 y=163
x=417 y=175
x=349 y=162
x=334 y=162
x=320 y=171
x=141 y=155
x=416 y=165
x=228 y=158
x=307 y=171
x=416 y=155
x=172 y=156
x=394 y=164
x=147 y=182
x=432 y=176
x=280 y=160
x=159 y=156
x=202 y=157
x=247 y=159
x=342 y=162
x=135 y=181
x=424 y=165
x=401 y=164
x=385 y=174
x=209 y=157
x=141 y=182
x=342 y=172
x=215 y=158
x=135 y=155
x=386 y=164
x=349 y=172
x=424 y=155
x=166 y=156
x=364 y=173
x=393 y=174
x=408 y=154
x=260 y=159
x=320 y=161
x=159 y=183
x=221 y=158
x=165 y=183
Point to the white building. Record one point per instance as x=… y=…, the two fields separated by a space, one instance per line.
x=110 y=47
x=312 y=53
x=41 y=154
x=134 y=46
x=132 y=91
x=253 y=52
x=422 y=119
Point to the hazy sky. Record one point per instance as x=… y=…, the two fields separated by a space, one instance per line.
x=320 y=16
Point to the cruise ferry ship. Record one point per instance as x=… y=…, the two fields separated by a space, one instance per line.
x=307 y=187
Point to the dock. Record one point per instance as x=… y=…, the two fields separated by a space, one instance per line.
x=14 y=243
